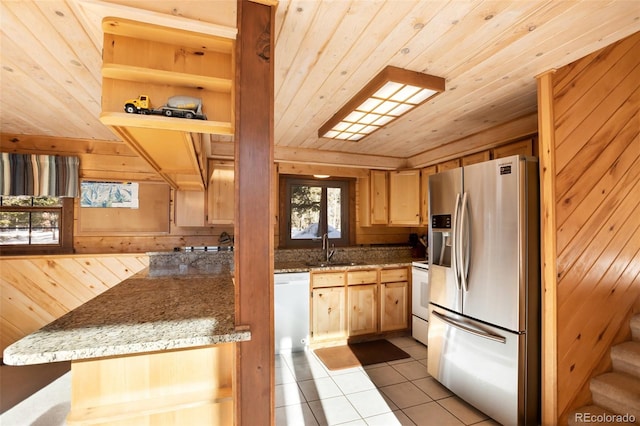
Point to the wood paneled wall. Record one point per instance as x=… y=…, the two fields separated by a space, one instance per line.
x=114 y=161
x=35 y=290
x=596 y=140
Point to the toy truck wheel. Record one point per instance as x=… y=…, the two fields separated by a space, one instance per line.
x=168 y=112
x=131 y=109
x=188 y=115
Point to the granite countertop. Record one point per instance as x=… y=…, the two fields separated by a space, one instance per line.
x=297 y=266
x=141 y=314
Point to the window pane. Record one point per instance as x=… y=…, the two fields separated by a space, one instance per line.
x=24 y=201
x=334 y=212
x=14 y=228
x=44 y=228
x=305 y=211
x=47 y=201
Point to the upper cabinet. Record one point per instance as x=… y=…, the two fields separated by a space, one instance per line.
x=424 y=193
x=523 y=147
x=221 y=193
x=379 y=199
x=404 y=198
x=157 y=62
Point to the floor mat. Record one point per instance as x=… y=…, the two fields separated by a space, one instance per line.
x=360 y=354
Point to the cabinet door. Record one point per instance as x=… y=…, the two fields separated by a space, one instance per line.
x=363 y=309
x=478 y=157
x=221 y=194
x=424 y=193
x=328 y=319
x=524 y=147
x=189 y=208
x=404 y=198
x=379 y=197
x=393 y=306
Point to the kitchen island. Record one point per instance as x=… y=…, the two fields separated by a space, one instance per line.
x=150 y=350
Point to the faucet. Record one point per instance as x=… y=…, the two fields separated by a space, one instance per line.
x=328 y=252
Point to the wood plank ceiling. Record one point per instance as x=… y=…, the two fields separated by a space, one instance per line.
x=489 y=52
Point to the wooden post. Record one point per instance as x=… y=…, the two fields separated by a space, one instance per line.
x=549 y=343
x=253 y=220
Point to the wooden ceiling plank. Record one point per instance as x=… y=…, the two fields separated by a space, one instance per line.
x=61 y=59
x=295 y=27
x=360 y=61
x=28 y=94
x=63 y=19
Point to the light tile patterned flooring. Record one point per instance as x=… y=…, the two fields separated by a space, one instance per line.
x=394 y=393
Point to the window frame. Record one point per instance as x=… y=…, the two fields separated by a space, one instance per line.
x=347 y=215
x=65 y=242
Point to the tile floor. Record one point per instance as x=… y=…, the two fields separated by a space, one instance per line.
x=394 y=393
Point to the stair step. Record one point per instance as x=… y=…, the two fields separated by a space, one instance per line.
x=626 y=358
x=596 y=416
x=618 y=393
x=635 y=327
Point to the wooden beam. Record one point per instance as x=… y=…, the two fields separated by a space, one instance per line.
x=549 y=343
x=254 y=222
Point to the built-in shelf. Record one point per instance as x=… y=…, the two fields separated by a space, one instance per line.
x=147 y=75
x=161 y=62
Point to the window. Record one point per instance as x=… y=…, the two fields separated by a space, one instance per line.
x=36 y=224
x=311 y=208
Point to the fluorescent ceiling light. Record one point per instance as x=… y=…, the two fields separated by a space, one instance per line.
x=391 y=94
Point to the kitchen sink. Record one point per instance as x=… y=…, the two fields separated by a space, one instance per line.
x=326 y=264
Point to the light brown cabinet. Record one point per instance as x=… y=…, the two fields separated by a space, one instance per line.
x=394 y=299
x=189 y=208
x=424 y=193
x=379 y=198
x=478 y=157
x=355 y=302
x=363 y=309
x=328 y=316
x=448 y=165
x=221 y=194
x=404 y=198
x=523 y=147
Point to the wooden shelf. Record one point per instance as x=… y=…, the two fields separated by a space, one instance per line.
x=149 y=75
x=161 y=62
x=159 y=122
x=223 y=41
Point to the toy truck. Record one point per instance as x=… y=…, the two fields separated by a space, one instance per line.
x=176 y=106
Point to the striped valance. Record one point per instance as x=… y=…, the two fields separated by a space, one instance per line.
x=39 y=175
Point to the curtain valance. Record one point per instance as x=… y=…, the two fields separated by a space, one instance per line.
x=39 y=175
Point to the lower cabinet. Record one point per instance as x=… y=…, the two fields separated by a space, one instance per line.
x=358 y=302
x=394 y=299
x=393 y=306
x=363 y=309
x=328 y=316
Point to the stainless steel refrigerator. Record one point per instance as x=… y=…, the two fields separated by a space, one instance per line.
x=484 y=302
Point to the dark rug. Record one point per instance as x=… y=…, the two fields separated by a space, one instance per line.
x=357 y=354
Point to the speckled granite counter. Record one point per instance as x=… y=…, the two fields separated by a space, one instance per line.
x=142 y=314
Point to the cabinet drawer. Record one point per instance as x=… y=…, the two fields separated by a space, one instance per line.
x=394 y=275
x=362 y=277
x=329 y=279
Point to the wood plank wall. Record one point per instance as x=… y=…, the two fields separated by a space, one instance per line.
x=597 y=185
x=35 y=290
x=113 y=161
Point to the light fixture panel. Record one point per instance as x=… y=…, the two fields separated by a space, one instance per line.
x=390 y=94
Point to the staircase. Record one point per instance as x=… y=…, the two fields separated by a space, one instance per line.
x=616 y=393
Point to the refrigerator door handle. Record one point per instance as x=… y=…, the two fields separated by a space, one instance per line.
x=470 y=330
x=463 y=249
x=454 y=242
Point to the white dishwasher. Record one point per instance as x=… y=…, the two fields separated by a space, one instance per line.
x=291 y=311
